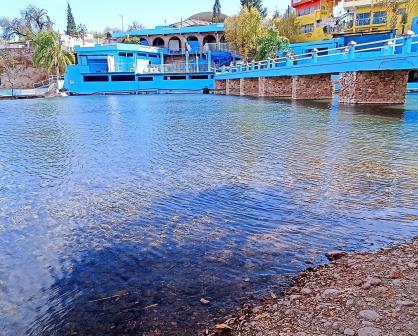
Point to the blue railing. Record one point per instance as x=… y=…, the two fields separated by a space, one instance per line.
x=393 y=46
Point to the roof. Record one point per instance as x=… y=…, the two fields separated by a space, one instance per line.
x=206 y=16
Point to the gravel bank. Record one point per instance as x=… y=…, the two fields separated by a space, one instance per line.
x=364 y=294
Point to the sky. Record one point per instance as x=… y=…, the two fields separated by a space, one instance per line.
x=98 y=14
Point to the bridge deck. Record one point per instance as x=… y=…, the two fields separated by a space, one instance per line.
x=394 y=54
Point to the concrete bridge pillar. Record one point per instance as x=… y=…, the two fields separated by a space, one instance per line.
x=249 y=87
x=312 y=87
x=233 y=87
x=275 y=87
x=373 y=87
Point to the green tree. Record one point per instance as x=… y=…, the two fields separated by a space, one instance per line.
x=269 y=44
x=71 y=26
x=287 y=26
x=49 y=54
x=243 y=30
x=256 y=4
x=216 y=17
x=32 y=20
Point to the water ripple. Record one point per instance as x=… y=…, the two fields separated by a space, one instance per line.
x=167 y=199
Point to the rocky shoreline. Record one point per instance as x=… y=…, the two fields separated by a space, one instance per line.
x=364 y=294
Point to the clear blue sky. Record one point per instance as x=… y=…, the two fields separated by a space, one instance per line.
x=97 y=14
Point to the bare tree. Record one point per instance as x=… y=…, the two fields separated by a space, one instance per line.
x=32 y=20
x=8 y=65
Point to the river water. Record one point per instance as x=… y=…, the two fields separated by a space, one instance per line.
x=119 y=213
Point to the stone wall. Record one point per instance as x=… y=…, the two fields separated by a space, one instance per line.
x=220 y=87
x=312 y=87
x=233 y=87
x=275 y=87
x=249 y=87
x=25 y=75
x=373 y=87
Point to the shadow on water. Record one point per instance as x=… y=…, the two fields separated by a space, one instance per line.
x=155 y=286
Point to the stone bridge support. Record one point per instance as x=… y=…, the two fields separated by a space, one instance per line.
x=233 y=87
x=275 y=87
x=249 y=87
x=312 y=87
x=220 y=87
x=373 y=87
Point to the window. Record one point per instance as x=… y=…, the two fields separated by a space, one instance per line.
x=153 y=56
x=363 y=19
x=379 y=18
x=96 y=78
x=126 y=54
x=123 y=78
x=307 y=11
x=145 y=79
x=198 y=77
x=142 y=55
x=309 y=28
x=174 y=77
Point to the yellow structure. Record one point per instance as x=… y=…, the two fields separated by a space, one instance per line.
x=319 y=19
x=314 y=17
x=381 y=15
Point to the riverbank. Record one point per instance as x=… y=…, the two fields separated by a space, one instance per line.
x=365 y=294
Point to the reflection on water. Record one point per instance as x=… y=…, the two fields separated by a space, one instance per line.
x=118 y=214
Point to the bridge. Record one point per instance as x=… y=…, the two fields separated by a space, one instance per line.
x=369 y=73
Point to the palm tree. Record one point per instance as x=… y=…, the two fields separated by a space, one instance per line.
x=49 y=54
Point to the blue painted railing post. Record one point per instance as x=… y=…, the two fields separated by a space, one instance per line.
x=209 y=60
x=269 y=63
x=389 y=48
x=187 y=61
x=253 y=65
x=161 y=62
x=352 y=49
x=240 y=68
x=407 y=46
x=315 y=55
x=289 y=61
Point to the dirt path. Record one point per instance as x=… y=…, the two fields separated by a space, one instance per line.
x=364 y=294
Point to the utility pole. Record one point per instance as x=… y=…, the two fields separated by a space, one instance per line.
x=121 y=18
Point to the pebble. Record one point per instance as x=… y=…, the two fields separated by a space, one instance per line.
x=306 y=291
x=370 y=315
x=295 y=297
x=394 y=274
x=204 y=301
x=349 y=332
x=406 y=303
x=412 y=265
x=374 y=281
x=369 y=331
x=329 y=292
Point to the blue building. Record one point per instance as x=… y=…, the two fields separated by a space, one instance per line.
x=193 y=35
x=130 y=68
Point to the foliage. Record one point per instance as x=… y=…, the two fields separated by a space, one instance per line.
x=49 y=54
x=131 y=40
x=32 y=20
x=216 y=17
x=243 y=30
x=258 y=4
x=269 y=44
x=71 y=26
x=135 y=25
x=287 y=26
